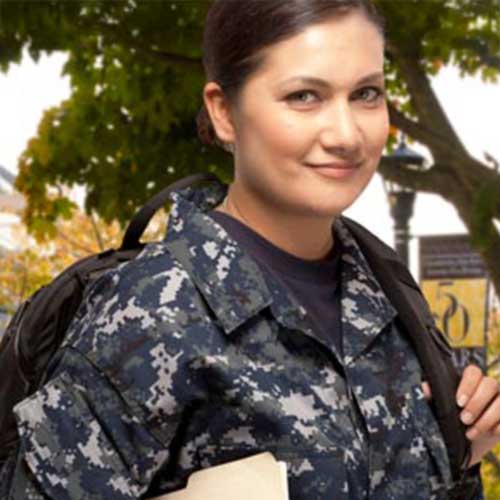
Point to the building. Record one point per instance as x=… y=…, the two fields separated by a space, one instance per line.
x=11 y=203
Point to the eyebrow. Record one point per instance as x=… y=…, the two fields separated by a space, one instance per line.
x=309 y=80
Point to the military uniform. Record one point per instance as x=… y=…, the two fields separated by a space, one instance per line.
x=190 y=356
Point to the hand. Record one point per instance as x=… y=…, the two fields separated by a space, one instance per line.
x=479 y=396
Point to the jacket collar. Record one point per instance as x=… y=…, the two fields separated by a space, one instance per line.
x=235 y=288
x=366 y=310
x=229 y=280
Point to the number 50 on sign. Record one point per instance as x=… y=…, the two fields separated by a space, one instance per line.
x=459 y=308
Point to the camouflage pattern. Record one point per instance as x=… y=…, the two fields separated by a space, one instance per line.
x=191 y=356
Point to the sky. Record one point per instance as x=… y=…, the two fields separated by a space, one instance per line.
x=472 y=106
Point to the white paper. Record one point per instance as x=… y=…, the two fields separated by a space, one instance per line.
x=257 y=477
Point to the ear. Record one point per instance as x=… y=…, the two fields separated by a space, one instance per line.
x=219 y=110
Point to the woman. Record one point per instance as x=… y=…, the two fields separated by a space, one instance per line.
x=258 y=324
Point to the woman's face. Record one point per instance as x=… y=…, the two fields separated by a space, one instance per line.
x=284 y=126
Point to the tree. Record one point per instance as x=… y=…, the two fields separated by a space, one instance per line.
x=423 y=37
x=490 y=473
x=128 y=127
x=33 y=265
x=136 y=76
x=490 y=468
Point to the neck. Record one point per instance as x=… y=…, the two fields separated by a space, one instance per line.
x=303 y=236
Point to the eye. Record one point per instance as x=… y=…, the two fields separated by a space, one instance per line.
x=296 y=96
x=372 y=94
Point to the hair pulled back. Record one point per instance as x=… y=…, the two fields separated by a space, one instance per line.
x=235 y=32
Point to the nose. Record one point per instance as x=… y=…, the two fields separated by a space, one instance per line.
x=340 y=131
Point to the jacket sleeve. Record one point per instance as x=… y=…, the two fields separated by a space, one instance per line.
x=81 y=440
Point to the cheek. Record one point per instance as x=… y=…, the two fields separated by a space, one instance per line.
x=270 y=131
x=381 y=131
x=281 y=137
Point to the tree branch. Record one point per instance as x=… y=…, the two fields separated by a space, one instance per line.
x=431 y=138
x=425 y=102
x=429 y=180
x=493 y=161
x=186 y=62
x=481 y=49
x=97 y=233
x=177 y=59
x=474 y=173
x=74 y=243
x=490 y=254
x=490 y=249
x=24 y=285
x=480 y=175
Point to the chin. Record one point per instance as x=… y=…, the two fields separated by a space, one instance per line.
x=333 y=204
x=327 y=210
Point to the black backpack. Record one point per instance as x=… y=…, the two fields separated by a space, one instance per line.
x=39 y=325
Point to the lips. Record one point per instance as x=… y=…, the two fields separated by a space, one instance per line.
x=342 y=166
x=341 y=172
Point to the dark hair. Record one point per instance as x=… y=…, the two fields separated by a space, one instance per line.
x=234 y=35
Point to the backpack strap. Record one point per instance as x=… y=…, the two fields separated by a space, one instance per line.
x=141 y=219
x=413 y=312
x=39 y=325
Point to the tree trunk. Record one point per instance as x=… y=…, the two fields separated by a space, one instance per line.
x=471 y=186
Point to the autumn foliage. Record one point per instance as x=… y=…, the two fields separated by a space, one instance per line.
x=34 y=264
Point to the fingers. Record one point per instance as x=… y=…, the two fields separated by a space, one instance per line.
x=487 y=423
x=479 y=396
x=482 y=412
x=427 y=391
x=471 y=378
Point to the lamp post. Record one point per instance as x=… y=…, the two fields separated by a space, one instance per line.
x=401 y=199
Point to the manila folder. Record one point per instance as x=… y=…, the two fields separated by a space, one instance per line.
x=259 y=476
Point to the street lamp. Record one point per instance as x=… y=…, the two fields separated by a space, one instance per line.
x=401 y=199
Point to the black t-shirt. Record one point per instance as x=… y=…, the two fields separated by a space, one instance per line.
x=314 y=283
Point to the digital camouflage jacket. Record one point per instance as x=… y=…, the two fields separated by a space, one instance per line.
x=190 y=356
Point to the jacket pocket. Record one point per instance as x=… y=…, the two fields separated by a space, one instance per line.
x=426 y=426
x=64 y=446
x=85 y=443
x=312 y=474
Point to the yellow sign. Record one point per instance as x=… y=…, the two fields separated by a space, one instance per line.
x=459 y=306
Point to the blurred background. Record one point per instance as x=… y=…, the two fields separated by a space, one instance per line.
x=98 y=101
